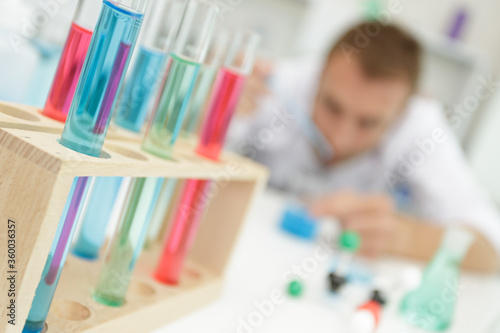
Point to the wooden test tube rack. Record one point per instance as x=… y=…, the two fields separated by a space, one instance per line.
x=36 y=173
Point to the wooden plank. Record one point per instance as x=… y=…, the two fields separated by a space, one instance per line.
x=149 y=304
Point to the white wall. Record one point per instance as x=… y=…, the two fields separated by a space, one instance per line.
x=324 y=18
x=485 y=150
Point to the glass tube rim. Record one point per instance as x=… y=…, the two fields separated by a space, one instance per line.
x=252 y=42
x=117 y=5
x=179 y=47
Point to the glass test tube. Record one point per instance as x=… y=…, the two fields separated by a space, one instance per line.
x=102 y=75
x=203 y=85
x=95 y=217
x=205 y=81
x=181 y=233
x=239 y=62
x=160 y=211
x=71 y=61
x=127 y=243
x=227 y=90
x=57 y=257
x=176 y=89
x=191 y=43
x=156 y=41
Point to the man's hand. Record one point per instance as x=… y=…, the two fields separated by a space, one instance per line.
x=372 y=216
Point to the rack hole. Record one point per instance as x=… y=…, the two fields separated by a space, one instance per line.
x=18 y=113
x=142 y=289
x=127 y=153
x=70 y=310
x=45 y=328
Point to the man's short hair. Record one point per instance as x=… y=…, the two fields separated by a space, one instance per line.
x=384 y=51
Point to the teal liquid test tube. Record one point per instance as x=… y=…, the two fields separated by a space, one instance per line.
x=176 y=89
x=192 y=41
x=94 y=221
x=148 y=69
x=424 y=308
x=205 y=82
x=57 y=257
x=102 y=75
x=119 y=22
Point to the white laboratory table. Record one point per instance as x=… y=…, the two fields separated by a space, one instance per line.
x=264 y=254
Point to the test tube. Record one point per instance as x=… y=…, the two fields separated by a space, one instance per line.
x=160 y=210
x=160 y=28
x=95 y=217
x=176 y=89
x=191 y=43
x=57 y=256
x=227 y=90
x=102 y=75
x=71 y=61
x=204 y=82
x=180 y=236
x=127 y=243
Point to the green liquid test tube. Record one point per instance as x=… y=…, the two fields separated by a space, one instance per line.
x=175 y=91
x=204 y=83
x=423 y=307
x=127 y=244
x=171 y=106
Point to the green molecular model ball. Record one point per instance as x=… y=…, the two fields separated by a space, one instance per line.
x=350 y=241
x=295 y=288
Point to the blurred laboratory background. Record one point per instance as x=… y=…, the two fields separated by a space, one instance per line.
x=462 y=52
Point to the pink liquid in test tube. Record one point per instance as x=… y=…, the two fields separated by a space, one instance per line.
x=183 y=230
x=67 y=74
x=225 y=97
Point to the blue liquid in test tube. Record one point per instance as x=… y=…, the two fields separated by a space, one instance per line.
x=159 y=33
x=140 y=88
x=57 y=256
x=96 y=216
x=102 y=76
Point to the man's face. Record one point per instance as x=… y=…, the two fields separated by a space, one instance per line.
x=352 y=110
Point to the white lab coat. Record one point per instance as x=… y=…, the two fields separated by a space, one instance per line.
x=419 y=161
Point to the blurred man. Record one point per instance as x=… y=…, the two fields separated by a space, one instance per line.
x=353 y=134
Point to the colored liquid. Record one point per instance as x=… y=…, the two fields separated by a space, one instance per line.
x=168 y=113
x=67 y=74
x=102 y=75
x=197 y=104
x=128 y=242
x=431 y=306
x=96 y=216
x=160 y=210
x=181 y=235
x=140 y=88
x=225 y=97
x=57 y=256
